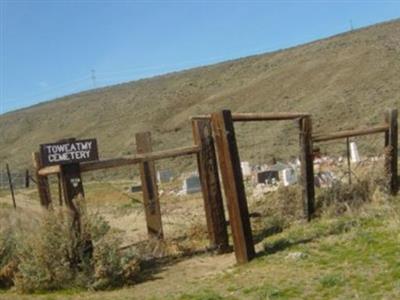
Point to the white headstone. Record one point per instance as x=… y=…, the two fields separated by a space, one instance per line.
x=354 y=156
x=289 y=177
x=246 y=169
x=165 y=176
x=191 y=185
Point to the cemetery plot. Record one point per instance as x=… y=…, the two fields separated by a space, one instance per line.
x=350 y=164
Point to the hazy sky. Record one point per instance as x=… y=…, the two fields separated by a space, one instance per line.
x=49 y=48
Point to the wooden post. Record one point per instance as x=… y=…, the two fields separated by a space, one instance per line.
x=60 y=198
x=72 y=189
x=348 y=158
x=27 y=181
x=42 y=182
x=11 y=186
x=208 y=172
x=149 y=187
x=391 y=151
x=307 y=167
x=232 y=178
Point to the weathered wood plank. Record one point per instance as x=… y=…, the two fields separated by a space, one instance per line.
x=42 y=182
x=307 y=167
x=11 y=186
x=348 y=133
x=72 y=188
x=60 y=192
x=126 y=161
x=232 y=178
x=27 y=179
x=149 y=187
x=251 y=117
x=209 y=178
x=391 y=151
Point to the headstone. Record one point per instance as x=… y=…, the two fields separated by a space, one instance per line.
x=266 y=177
x=165 y=176
x=246 y=169
x=289 y=177
x=191 y=185
x=136 y=188
x=354 y=156
x=324 y=179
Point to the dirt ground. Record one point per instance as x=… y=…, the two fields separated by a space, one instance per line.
x=184 y=262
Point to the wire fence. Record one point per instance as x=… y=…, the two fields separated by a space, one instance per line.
x=19 y=179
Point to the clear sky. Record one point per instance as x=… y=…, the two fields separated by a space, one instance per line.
x=49 y=48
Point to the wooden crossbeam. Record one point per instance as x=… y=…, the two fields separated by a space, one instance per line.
x=125 y=161
x=251 y=117
x=349 y=133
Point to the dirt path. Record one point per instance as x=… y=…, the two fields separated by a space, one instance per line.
x=176 y=278
x=184 y=275
x=168 y=277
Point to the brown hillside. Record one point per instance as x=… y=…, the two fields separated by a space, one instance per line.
x=344 y=81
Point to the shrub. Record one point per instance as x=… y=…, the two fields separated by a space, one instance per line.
x=342 y=197
x=49 y=255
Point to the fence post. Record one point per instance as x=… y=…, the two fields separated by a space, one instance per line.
x=149 y=187
x=72 y=187
x=307 y=167
x=27 y=181
x=59 y=185
x=232 y=178
x=208 y=172
x=42 y=182
x=11 y=186
x=391 y=151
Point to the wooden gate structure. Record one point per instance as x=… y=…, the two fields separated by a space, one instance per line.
x=145 y=158
x=232 y=178
x=218 y=128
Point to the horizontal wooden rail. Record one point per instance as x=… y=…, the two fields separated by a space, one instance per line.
x=349 y=133
x=125 y=161
x=249 y=117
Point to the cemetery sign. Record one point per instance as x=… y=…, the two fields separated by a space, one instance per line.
x=69 y=151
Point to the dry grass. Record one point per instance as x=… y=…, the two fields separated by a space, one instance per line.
x=344 y=81
x=42 y=252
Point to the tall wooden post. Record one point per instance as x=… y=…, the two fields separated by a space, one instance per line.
x=149 y=188
x=11 y=186
x=59 y=185
x=208 y=172
x=391 y=151
x=232 y=178
x=307 y=167
x=42 y=182
x=72 y=187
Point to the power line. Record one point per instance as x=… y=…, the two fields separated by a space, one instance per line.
x=113 y=77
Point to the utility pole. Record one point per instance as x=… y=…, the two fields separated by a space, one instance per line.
x=351 y=25
x=94 y=77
